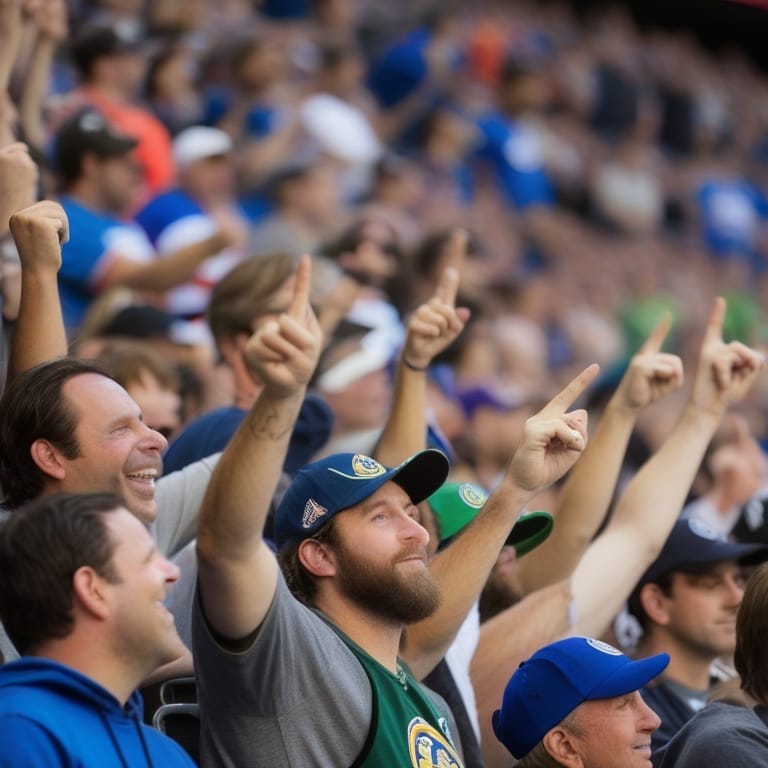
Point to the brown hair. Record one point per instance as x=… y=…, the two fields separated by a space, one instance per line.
x=751 y=631
x=245 y=292
x=128 y=360
x=42 y=545
x=34 y=408
x=301 y=583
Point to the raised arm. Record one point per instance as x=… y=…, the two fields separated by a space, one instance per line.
x=10 y=37
x=654 y=497
x=237 y=570
x=51 y=28
x=38 y=335
x=612 y=564
x=553 y=439
x=432 y=328
x=584 y=499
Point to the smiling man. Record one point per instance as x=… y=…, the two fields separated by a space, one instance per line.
x=576 y=703
x=81 y=594
x=307 y=664
x=75 y=429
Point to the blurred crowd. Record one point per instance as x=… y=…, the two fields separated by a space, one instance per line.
x=605 y=173
x=481 y=200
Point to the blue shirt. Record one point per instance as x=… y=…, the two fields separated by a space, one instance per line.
x=730 y=212
x=51 y=716
x=94 y=240
x=513 y=153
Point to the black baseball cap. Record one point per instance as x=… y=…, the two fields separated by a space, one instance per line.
x=87 y=131
x=694 y=547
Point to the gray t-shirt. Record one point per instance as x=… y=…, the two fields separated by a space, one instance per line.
x=720 y=735
x=179 y=497
x=296 y=697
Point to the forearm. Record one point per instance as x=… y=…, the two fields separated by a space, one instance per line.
x=39 y=333
x=239 y=493
x=34 y=91
x=10 y=37
x=461 y=571
x=644 y=516
x=506 y=640
x=165 y=272
x=582 y=503
x=406 y=428
x=181 y=667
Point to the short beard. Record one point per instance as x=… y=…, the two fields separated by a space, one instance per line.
x=383 y=591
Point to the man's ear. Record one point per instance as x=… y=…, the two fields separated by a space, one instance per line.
x=48 y=458
x=318 y=558
x=560 y=744
x=88 y=593
x=655 y=603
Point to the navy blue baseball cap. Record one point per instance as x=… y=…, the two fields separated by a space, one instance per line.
x=560 y=676
x=694 y=547
x=340 y=481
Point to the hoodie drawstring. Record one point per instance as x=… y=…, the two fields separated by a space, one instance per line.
x=116 y=743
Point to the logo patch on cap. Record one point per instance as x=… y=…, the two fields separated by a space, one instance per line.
x=704 y=531
x=312 y=513
x=365 y=466
x=92 y=122
x=599 y=645
x=472 y=496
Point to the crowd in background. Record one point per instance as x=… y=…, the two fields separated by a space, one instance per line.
x=588 y=180
x=605 y=173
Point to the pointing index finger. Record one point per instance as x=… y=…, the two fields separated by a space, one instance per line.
x=564 y=399
x=715 y=323
x=655 y=341
x=448 y=286
x=298 y=306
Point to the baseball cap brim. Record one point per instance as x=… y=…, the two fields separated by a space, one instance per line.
x=630 y=677
x=422 y=474
x=530 y=530
x=701 y=554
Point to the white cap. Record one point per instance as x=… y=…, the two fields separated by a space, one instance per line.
x=199 y=142
x=340 y=130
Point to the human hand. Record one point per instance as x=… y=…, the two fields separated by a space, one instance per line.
x=652 y=374
x=39 y=232
x=284 y=352
x=436 y=323
x=553 y=438
x=725 y=372
x=231 y=230
x=50 y=17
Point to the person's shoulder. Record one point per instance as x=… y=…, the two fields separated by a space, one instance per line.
x=202 y=437
x=721 y=733
x=33 y=743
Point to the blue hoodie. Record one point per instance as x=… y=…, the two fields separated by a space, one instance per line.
x=51 y=716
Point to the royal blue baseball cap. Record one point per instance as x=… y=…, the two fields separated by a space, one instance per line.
x=340 y=481
x=560 y=676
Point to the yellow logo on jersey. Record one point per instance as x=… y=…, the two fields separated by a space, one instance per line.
x=429 y=748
